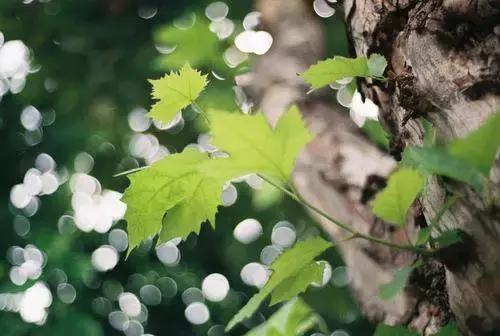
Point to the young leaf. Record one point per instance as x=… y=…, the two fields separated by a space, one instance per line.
x=289 y=264
x=392 y=203
x=297 y=284
x=385 y=330
x=252 y=143
x=294 y=318
x=176 y=91
x=449 y=329
x=438 y=161
x=397 y=284
x=333 y=69
x=479 y=148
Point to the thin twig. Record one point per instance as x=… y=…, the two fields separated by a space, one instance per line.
x=355 y=233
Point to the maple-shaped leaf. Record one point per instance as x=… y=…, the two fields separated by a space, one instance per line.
x=252 y=143
x=175 y=91
x=198 y=207
x=177 y=194
x=154 y=190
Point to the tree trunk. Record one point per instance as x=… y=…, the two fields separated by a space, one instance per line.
x=444 y=64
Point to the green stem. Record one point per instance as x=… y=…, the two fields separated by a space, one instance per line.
x=355 y=234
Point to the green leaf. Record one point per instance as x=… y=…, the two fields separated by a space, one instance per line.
x=479 y=148
x=294 y=318
x=393 y=202
x=196 y=45
x=449 y=329
x=390 y=290
x=287 y=265
x=385 y=330
x=252 y=143
x=332 y=69
x=176 y=91
x=292 y=286
x=188 y=186
x=155 y=190
x=199 y=206
x=435 y=160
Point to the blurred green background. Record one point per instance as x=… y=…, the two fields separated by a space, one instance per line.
x=89 y=65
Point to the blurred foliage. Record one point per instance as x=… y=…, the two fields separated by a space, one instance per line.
x=94 y=58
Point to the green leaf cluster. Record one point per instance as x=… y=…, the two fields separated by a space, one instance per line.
x=188 y=186
x=467 y=160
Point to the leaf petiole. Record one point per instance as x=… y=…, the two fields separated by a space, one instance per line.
x=354 y=233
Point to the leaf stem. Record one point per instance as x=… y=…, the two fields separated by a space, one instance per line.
x=354 y=233
x=130 y=171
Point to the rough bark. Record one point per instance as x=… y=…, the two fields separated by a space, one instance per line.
x=444 y=63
